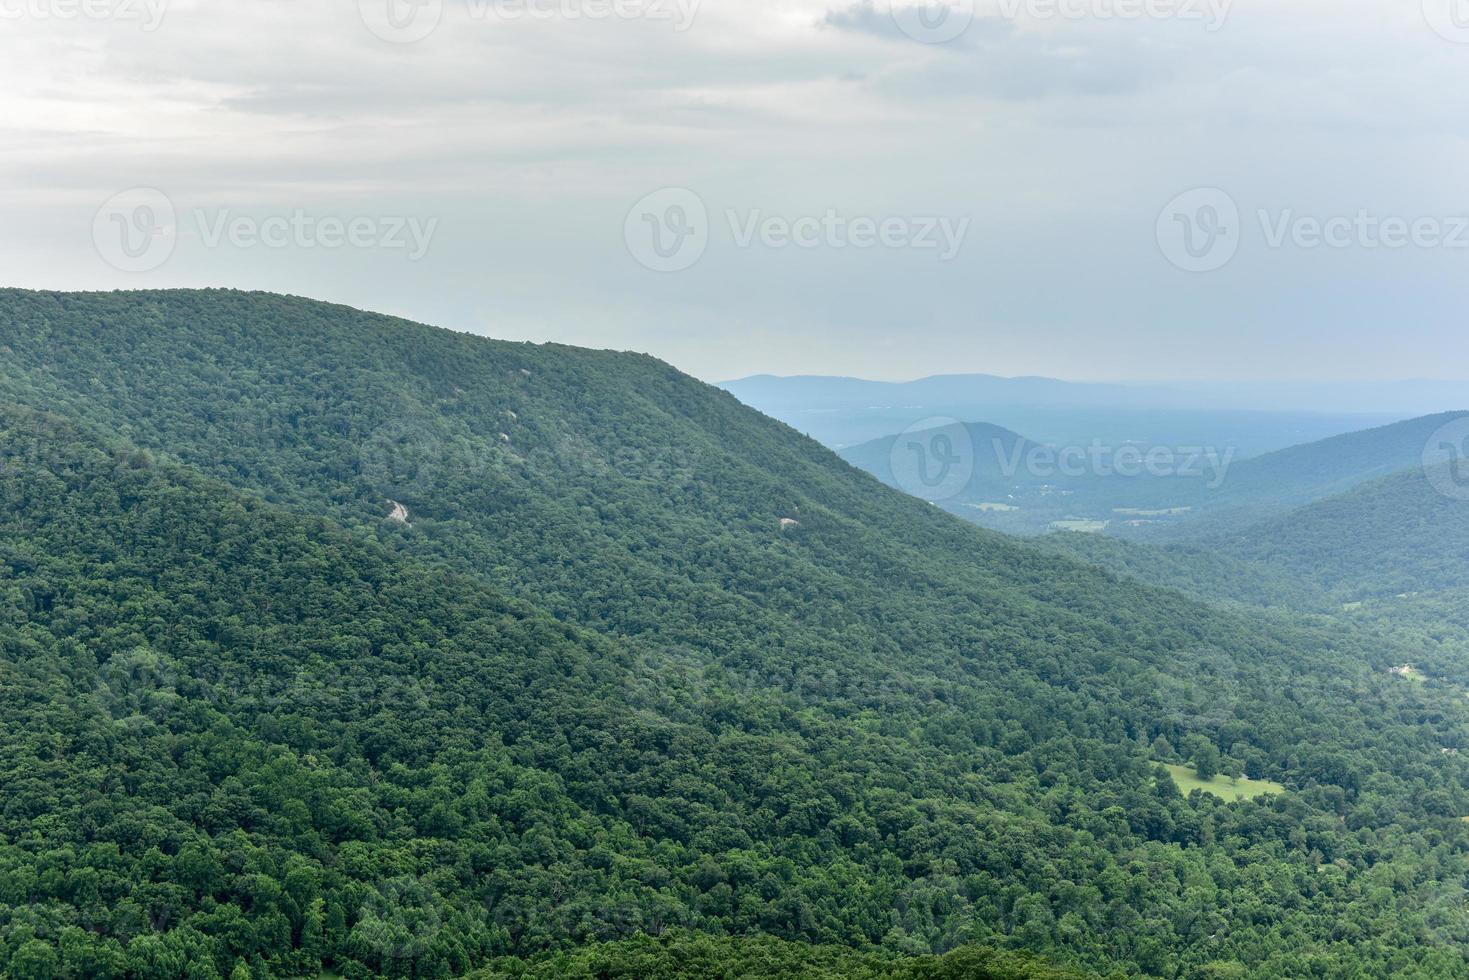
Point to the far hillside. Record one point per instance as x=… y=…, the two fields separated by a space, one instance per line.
x=1152 y=493
x=1391 y=536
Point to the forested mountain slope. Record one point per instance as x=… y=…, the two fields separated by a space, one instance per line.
x=1388 y=537
x=235 y=736
x=1399 y=534
x=737 y=686
x=1271 y=485
x=1209 y=575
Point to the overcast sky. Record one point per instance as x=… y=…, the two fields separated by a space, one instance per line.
x=1098 y=189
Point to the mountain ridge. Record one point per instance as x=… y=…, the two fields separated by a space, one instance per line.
x=876 y=726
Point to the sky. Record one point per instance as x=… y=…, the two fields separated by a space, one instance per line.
x=1088 y=189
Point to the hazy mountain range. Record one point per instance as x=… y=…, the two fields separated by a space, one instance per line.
x=1251 y=417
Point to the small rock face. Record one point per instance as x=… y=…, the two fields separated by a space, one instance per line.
x=399 y=514
x=786 y=523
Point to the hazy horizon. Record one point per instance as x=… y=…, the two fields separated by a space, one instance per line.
x=1184 y=189
x=1121 y=381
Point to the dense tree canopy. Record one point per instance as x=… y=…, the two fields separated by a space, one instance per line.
x=640 y=677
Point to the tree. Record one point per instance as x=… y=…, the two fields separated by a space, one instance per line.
x=1206 y=759
x=34 y=960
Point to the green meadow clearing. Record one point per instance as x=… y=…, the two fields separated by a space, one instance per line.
x=1083 y=526
x=1221 y=785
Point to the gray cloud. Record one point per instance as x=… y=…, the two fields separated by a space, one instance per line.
x=1059 y=140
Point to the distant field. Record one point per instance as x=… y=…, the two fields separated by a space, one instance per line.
x=1086 y=527
x=1136 y=512
x=993 y=507
x=1222 y=786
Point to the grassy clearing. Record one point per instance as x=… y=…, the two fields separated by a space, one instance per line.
x=1086 y=527
x=1139 y=512
x=1221 y=786
x=993 y=507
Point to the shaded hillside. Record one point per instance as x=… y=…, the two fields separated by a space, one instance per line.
x=1274 y=483
x=1394 y=535
x=1207 y=575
